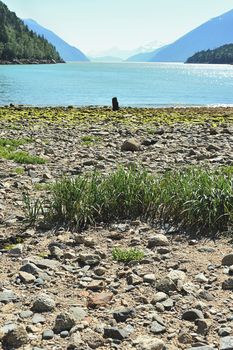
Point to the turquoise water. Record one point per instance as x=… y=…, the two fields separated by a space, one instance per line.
x=135 y=84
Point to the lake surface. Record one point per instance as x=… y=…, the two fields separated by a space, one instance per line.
x=135 y=84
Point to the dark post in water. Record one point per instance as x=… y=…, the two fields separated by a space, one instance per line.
x=115 y=104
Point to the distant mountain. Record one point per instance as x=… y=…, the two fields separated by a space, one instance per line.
x=144 y=56
x=66 y=51
x=19 y=45
x=106 y=59
x=221 y=55
x=210 y=35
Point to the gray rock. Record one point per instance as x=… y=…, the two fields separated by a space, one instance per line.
x=228 y=284
x=15 y=338
x=43 y=303
x=25 y=314
x=201 y=278
x=89 y=259
x=75 y=342
x=115 y=333
x=192 y=315
x=158 y=240
x=30 y=268
x=48 y=334
x=45 y=263
x=166 y=285
x=205 y=347
x=130 y=145
x=228 y=260
x=26 y=277
x=157 y=328
x=159 y=297
x=226 y=343
x=123 y=314
x=16 y=250
x=145 y=342
x=64 y=334
x=224 y=332
x=7 y=296
x=149 y=278
x=64 y=322
x=37 y=318
x=78 y=313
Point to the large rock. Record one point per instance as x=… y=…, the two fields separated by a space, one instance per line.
x=192 y=315
x=123 y=314
x=166 y=285
x=43 y=303
x=130 y=145
x=26 y=277
x=115 y=333
x=99 y=300
x=15 y=338
x=228 y=260
x=64 y=322
x=226 y=343
x=228 y=284
x=145 y=342
x=7 y=296
x=158 y=240
x=45 y=263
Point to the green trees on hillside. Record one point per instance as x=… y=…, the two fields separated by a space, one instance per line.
x=18 y=42
x=221 y=55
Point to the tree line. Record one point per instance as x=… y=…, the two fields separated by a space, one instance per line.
x=221 y=55
x=18 y=42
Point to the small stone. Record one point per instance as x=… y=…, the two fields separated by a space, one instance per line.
x=48 y=334
x=149 y=278
x=16 y=250
x=15 y=338
x=115 y=333
x=26 y=278
x=130 y=145
x=64 y=322
x=205 y=347
x=43 y=303
x=123 y=314
x=89 y=259
x=78 y=313
x=157 y=328
x=159 y=297
x=177 y=275
x=37 y=318
x=228 y=260
x=25 y=314
x=31 y=269
x=201 y=278
x=145 y=342
x=202 y=326
x=75 y=341
x=64 y=334
x=166 y=285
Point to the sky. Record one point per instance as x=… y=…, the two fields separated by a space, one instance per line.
x=97 y=25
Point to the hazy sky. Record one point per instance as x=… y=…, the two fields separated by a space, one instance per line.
x=95 y=25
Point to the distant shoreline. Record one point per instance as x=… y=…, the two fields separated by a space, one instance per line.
x=28 y=61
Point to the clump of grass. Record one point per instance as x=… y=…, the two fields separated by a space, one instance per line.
x=34 y=209
x=127 y=255
x=192 y=199
x=22 y=157
x=19 y=171
x=14 y=142
x=89 y=140
x=8 y=150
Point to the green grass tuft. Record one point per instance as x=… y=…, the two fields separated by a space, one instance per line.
x=127 y=255
x=192 y=199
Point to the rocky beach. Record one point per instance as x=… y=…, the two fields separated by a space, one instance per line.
x=61 y=288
